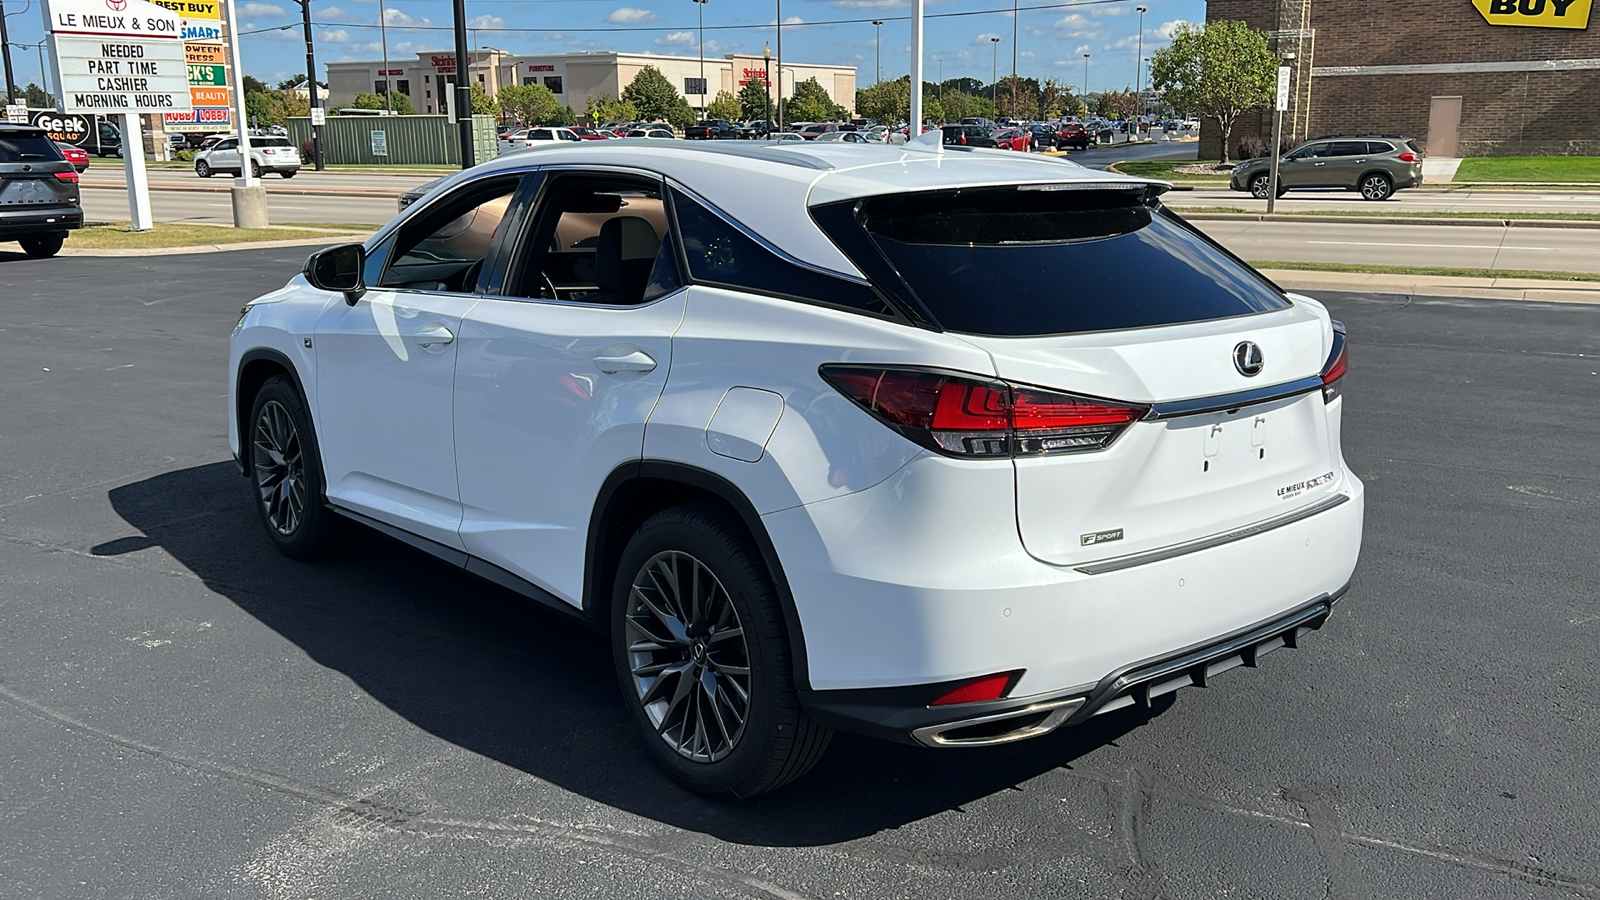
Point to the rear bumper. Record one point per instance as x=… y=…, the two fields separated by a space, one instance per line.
x=19 y=223
x=902 y=714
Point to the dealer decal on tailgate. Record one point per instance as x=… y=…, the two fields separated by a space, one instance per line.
x=1289 y=491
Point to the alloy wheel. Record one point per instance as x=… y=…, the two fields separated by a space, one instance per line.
x=688 y=656
x=276 y=452
x=1375 y=187
x=1260 y=186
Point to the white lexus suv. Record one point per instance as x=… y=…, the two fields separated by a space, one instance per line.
x=822 y=435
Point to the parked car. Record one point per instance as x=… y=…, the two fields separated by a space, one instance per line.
x=783 y=136
x=38 y=191
x=817 y=129
x=412 y=195
x=1012 y=139
x=267 y=154
x=968 y=136
x=1377 y=165
x=78 y=156
x=537 y=137
x=590 y=134
x=870 y=492
x=1072 y=135
x=659 y=133
x=847 y=137
x=712 y=130
x=1044 y=136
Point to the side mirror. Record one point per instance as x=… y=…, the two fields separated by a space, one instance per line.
x=339 y=269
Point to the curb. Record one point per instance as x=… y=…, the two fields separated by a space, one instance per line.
x=1387 y=220
x=212 y=248
x=1525 y=289
x=289 y=192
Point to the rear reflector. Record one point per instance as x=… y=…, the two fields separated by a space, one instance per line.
x=975 y=417
x=987 y=687
x=68 y=176
x=1335 y=367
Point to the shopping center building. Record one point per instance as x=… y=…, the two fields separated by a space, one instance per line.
x=575 y=77
x=1462 y=77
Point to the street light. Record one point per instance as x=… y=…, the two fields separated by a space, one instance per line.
x=878 y=27
x=779 y=4
x=1086 y=85
x=1138 y=76
x=766 y=54
x=700 y=5
x=1013 y=55
x=317 y=161
x=994 y=73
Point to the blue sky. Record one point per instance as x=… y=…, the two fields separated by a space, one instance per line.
x=1052 y=35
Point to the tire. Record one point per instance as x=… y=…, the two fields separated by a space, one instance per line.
x=655 y=653
x=1261 y=185
x=281 y=451
x=288 y=173
x=42 y=246
x=255 y=169
x=202 y=168
x=1376 y=186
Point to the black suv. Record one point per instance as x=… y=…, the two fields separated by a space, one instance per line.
x=711 y=130
x=1377 y=165
x=967 y=136
x=38 y=191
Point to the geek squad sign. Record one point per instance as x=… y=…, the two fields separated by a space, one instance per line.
x=1572 y=14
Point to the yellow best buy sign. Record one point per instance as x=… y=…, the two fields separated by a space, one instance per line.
x=1536 y=13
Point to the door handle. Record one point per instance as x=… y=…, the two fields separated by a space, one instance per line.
x=637 y=361
x=1319 y=164
x=434 y=334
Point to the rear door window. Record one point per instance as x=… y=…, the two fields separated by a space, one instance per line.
x=26 y=148
x=1377 y=147
x=1033 y=260
x=1350 y=148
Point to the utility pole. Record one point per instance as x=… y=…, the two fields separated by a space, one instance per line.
x=878 y=27
x=1013 y=55
x=994 y=73
x=766 y=54
x=914 y=127
x=311 y=85
x=780 y=63
x=701 y=6
x=463 y=86
x=1138 y=76
x=5 y=51
x=1086 y=85
x=383 y=36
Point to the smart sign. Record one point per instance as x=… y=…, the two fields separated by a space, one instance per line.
x=1573 y=14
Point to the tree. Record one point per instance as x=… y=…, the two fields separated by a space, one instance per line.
x=1056 y=99
x=1219 y=70
x=36 y=97
x=653 y=96
x=604 y=109
x=680 y=115
x=753 y=100
x=563 y=116
x=482 y=103
x=960 y=105
x=811 y=103
x=886 y=101
x=398 y=102
x=1017 y=97
x=528 y=104
x=724 y=106
x=253 y=85
x=964 y=85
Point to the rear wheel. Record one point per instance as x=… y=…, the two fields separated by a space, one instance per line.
x=286 y=473
x=288 y=173
x=702 y=656
x=1376 y=186
x=255 y=169
x=42 y=246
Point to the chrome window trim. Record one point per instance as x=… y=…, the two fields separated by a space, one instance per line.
x=1219 y=402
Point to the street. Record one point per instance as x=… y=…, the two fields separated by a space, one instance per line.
x=183 y=712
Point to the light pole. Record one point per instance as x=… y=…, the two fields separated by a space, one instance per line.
x=994 y=73
x=1086 y=85
x=780 y=64
x=701 y=6
x=1013 y=55
x=383 y=36
x=766 y=54
x=877 y=25
x=311 y=85
x=5 y=52
x=1138 y=76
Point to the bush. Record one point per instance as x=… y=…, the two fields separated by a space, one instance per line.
x=1251 y=147
x=306 y=148
x=183 y=155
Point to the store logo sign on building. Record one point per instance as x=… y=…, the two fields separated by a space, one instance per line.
x=1573 y=14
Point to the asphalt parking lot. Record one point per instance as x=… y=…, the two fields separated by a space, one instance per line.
x=183 y=713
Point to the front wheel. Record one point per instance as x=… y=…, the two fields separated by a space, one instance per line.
x=702 y=656
x=42 y=246
x=203 y=169
x=286 y=473
x=1376 y=186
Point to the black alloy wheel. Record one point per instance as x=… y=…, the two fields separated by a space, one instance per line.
x=703 y=658
x=286 y=473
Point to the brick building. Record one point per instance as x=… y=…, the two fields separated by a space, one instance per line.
x=1433 y=70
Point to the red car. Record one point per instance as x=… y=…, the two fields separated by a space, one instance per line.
x=78 y=156
x=1072 y=134
x=1013 y=139
x=590 y=134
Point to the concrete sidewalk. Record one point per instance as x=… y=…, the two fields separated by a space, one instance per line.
x=1438 y=286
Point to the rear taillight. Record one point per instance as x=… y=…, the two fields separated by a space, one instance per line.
x=978 y=418
x=68 y=176
x=1336 y=365
x=1408 y=156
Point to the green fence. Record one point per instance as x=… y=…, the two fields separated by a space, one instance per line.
x=396 y=140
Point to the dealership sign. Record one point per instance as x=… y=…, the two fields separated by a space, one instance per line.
x=1572 y=14
x=118 y=56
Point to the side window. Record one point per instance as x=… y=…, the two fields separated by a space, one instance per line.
x=719 y=253
x=443 y=248
x=226 y=145
x=1349 y=148
x=598 y=238
x=539 y=134
x=1376 y=147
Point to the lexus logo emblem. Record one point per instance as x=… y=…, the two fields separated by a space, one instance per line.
x=1247 y=358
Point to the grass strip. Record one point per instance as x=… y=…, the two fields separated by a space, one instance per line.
x=1372 y=269
x=116 y=236
x=1418 y=214
x=1164 y=170
x=341 y=227
x=1530 y=168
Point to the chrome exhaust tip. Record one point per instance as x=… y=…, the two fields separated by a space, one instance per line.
x=1003 y=727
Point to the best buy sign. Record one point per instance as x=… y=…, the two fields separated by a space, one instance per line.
x=1536 y=13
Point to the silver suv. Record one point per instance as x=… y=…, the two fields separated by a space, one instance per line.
x=1377 y=165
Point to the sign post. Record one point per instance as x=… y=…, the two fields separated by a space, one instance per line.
x=1278 y=107
x=249 y=197
x=122 y=57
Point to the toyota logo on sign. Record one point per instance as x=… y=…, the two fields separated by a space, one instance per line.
x=117 y=5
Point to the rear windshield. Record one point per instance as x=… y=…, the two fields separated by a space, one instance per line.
x=25 y=147
x=270 y=142
x=1032 y=260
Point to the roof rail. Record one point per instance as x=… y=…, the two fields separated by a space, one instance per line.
x=1362 y=134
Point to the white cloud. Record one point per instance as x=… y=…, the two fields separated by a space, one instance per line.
x=262 y=10
x=486 y=22
x=1099 y=11
x=628 y=15
x=870 y=4
x=333 y=36
x=676 y=39
x=985 y=38
x=1166 y=29
x=392 y=16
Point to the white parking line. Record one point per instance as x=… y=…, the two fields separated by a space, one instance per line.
x=1451 y=246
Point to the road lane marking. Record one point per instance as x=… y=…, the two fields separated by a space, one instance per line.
x=1449 y=246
